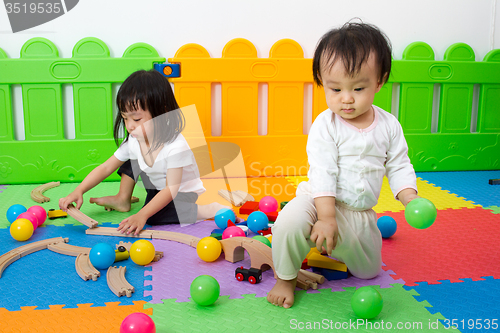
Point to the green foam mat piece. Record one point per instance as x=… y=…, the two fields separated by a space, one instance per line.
x=325 y=310
x=493 y=209
x=21 y=194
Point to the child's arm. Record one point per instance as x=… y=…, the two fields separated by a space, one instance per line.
x=407 y=195
x=137 y=221
x=93 y=178
x=325 y=229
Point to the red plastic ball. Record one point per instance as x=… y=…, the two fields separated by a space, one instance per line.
x=268 y=204
x=233 y=232
x=30 y=217
x=138 y=322
x=40 y=213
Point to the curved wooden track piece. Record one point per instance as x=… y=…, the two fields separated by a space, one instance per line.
x=80 y=217
x=69 y=250
x=11 y=256
x=117 y=282
x=37 y=192
x=85 y=269
x=177 y=237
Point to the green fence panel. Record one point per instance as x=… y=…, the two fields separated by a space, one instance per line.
x=415 y=108
x=383 y=98
x=488 y=118
x=46 y=155
x=6 y=124
x=455 y=108
x=93 y=102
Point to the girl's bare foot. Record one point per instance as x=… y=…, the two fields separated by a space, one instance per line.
x=282 y=293
x=206 y=212
x=113 y=202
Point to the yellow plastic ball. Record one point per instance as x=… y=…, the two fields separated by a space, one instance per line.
x=208 y=249
x=142 y=252
x=21 y=229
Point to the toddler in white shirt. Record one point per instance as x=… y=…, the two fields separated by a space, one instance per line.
x=350 y=147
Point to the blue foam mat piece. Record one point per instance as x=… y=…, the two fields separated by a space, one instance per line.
x=46 y=278
x=472 y=185
x=469 y=302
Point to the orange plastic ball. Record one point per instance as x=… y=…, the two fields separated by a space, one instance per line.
x=21 y=229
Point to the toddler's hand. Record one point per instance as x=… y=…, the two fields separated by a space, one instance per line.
x=132 y=223
x=73 y=197
x=325 y=230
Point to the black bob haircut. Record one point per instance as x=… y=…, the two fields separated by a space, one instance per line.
x=150 y=90
x=352 y=44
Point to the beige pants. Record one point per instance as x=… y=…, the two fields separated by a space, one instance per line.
x=359 y=243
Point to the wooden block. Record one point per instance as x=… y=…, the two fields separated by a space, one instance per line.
x=249 y=207
x=318 y=260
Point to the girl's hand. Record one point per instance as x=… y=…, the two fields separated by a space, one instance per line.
x=407 y=195
x=73 y=197
x=325 y=230
x=132 y=223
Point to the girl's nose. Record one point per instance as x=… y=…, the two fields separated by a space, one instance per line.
x=347 y=98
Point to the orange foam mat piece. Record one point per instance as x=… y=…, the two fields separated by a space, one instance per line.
x=85 y=318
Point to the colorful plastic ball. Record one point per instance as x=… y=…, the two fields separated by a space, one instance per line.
x=21 y=229
x=420 y=213
x=31 y=217
x=208 y=249
x=14 y=211
x=40 y=213
x=138 y=322
x=233 y=232
x=102 y=255
x=387 y=226
x=268 y=204
x=262 y=239
x=367 y=302
x=204 y=290
x=222 y=216
x=257 y=221
x=142 y=252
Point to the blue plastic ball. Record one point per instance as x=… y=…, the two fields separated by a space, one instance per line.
x=14 y=211
x=102 y=255
x=387 y=226
x=222 y=216
x=257 y=221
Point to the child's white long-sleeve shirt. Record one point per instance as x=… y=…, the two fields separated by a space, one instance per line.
x=349 y=163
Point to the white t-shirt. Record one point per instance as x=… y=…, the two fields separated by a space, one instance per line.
x=176 y=154
x=350 y=163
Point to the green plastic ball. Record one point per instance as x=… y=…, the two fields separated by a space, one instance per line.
x=367 y=302
x=420 y=213
x=262 y=239
x=204 y=290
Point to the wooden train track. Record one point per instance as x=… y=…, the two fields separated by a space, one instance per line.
x=13 y=255
x=117 y=282
x=37 y=192
x=85 y=269
x=80 y=217
x=69 y=250
x=234 y=250
x=150 y=234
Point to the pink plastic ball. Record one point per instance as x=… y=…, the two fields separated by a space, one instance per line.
x=30 y=217
x=138 y=322
x=233 y=232
x=268 y=204
x=40 y=213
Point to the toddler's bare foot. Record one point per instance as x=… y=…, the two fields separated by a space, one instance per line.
x=113 y=202
x=282 y=293
x=207 y=212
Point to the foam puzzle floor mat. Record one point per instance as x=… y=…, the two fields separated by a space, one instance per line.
x=441 y=279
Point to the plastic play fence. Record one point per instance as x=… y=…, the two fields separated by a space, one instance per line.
x=449 y=109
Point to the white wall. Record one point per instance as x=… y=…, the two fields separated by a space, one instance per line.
x=168 y=24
